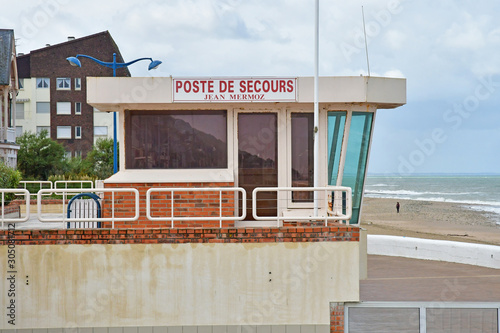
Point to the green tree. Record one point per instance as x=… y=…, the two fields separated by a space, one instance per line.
x=99 y=161
x=39 y=156
x=9 y=178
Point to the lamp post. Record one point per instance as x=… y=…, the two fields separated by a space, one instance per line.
x=74 y=61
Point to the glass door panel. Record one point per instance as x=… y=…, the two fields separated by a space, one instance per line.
x=302 y=125
x=258 y=160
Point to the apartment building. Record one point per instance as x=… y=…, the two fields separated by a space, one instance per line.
x=8 y=92
x=52 y=94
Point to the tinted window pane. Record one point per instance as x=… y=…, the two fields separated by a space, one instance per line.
x=176 y=140
x=356 y=158
x=302 y=155
x=336 y=124
x=258 y=159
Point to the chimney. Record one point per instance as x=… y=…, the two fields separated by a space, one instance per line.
x=71 y=38
x=47 y=45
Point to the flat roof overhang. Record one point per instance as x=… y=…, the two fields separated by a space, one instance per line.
x=156 y=93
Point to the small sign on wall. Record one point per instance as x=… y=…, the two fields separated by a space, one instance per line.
x=235 y=90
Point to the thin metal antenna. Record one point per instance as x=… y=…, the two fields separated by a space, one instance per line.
x=366 y=44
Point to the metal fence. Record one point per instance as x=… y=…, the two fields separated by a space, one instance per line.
x=186 y=204
x=62 y=214
x=177 y=197
x=336 y=203
x=5 y=215
x=422 y=317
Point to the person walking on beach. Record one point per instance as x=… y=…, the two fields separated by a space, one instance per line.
x=397 y=207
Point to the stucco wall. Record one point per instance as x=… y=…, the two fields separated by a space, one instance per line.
x=432 y=249
x=104 y=285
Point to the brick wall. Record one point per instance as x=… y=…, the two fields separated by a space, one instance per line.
x=336 y=317
x=181 y=235
x=188 y=204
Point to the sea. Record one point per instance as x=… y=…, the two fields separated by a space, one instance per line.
x=476 y=192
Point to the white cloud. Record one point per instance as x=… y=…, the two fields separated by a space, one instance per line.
x=441 y=47
x=467 y=34
x=395 y=39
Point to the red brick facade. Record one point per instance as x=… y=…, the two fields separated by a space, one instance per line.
x=176 y=236
x=50 y=62
x=188 y=204
x=336 y=317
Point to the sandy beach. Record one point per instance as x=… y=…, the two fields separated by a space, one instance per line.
x=427 y=219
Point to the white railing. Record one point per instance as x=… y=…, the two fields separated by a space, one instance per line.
x=66 y=182
x=337 y=207
x=26 y=194
x=193 y=200
x=70 y=192
x=40 y=183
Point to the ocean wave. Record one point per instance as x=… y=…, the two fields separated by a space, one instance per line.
x=493 y=206
x=409 y=192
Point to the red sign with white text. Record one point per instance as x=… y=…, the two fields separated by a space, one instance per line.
x=235 y=90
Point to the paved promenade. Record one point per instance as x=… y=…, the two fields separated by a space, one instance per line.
x=403 y=279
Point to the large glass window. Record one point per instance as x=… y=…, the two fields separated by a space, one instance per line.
x=42 y=107
x=63 y=108
x=336 y=124
x=63 y=83
x=101 y=130
x=39 y=129
x=78 y=108
x=42 y=83
x=176 y=139
x=64 y=132
x=19 y=110
x=356 y=158
x=302 y=155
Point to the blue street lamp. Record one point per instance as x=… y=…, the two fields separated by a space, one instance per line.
x=74 y=61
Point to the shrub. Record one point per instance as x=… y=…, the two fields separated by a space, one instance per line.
x=9 y=178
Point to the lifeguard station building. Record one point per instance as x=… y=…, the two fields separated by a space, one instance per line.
x=229 y=236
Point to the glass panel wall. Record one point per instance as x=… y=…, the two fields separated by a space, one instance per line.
x=356 y=158
x=336 y=124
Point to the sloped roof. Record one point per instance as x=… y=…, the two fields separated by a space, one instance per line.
x=6 y=42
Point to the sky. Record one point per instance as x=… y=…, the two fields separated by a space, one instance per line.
x=449 y=52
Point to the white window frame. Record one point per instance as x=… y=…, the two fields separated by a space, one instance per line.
x=63 y=108
x=97 y=132
x=78 y=108
x=20 y=111
x=78 y=83
x=21 y=84
x=44 y=81
x=44 y=104
x=65 y=81
x=39 y=129
x=78 y=132
x=64 y=135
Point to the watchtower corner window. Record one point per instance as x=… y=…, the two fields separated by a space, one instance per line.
x=176 y=139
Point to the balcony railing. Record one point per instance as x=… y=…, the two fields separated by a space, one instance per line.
x=186 y=204
x=8 y=135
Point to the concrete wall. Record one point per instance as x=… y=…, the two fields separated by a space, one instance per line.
x=459 y=252
x=159 y=285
